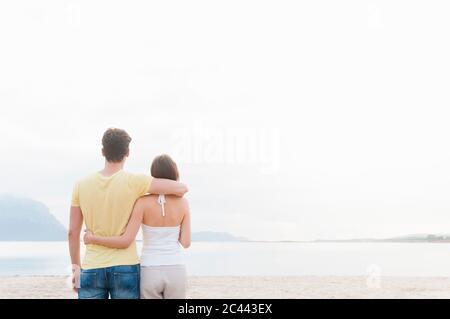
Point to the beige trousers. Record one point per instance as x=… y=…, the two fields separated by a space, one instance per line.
x=163 y=282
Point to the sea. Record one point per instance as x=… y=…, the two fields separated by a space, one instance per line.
x=258 y=259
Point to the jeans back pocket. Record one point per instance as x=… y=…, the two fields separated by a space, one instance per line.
x=126 y=285
x=88 y=279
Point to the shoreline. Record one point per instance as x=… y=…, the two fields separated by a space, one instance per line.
x=227 y=287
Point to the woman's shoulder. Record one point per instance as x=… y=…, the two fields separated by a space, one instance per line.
x=153 y=198
x=181 y=202
x=147 y=200
x=175 y=198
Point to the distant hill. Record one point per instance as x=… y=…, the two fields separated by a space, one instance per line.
x=421 y=238
x=414 y=238
x=28 y=220
x=215 y=236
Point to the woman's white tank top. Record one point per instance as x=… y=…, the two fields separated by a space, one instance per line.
x=161 y=244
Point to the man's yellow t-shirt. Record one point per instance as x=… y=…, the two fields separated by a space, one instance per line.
x=107 y=204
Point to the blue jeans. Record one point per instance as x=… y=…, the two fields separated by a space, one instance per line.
x=118 y=282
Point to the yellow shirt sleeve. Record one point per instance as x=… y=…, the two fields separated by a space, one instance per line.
x=76 y=196
x=141 y=184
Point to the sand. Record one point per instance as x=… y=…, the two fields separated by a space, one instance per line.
x=254 y=287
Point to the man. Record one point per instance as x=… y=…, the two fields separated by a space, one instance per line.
x=105 y=202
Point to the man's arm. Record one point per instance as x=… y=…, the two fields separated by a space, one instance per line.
x=167 y=187
x=75 y=224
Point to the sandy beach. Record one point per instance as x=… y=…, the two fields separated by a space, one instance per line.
x=254 y=287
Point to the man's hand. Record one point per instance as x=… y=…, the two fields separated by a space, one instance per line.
x=88 y=237
x=75 y=277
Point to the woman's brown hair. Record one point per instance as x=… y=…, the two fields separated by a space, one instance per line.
x=163 y=166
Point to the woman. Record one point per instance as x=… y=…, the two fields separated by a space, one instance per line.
x=165 y=225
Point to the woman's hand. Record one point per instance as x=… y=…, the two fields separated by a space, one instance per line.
x=88 y=237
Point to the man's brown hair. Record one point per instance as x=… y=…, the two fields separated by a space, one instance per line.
x=116 y=145
x=163 y=166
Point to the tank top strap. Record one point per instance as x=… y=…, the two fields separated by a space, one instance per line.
x=162 y=202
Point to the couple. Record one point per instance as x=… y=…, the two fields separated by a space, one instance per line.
x=113 y=204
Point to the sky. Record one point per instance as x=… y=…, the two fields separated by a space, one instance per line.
x=290 y=120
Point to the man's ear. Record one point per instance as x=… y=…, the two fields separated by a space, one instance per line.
x=103 y=152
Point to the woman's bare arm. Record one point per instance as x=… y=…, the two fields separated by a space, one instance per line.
x=185 y=231
x=126 y=239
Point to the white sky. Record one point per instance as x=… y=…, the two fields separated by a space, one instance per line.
x=289 y=119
